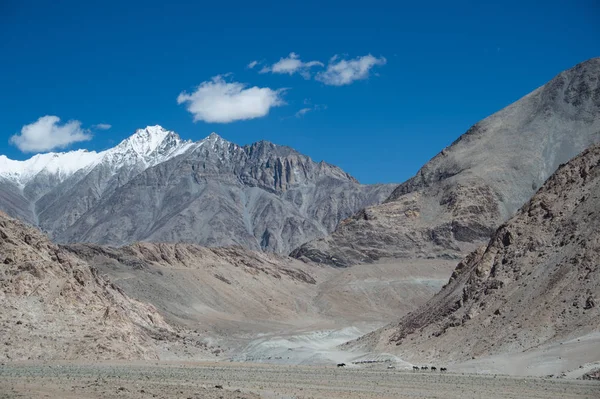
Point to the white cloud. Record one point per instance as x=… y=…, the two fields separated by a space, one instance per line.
x=291 y=65
x=102 y=126
x=304 y=111
x=341 y=72
x=46 y=134
x=253 y=64
x=218 y=101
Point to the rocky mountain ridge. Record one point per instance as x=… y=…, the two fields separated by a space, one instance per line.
x=459 y=197
x=212 y=192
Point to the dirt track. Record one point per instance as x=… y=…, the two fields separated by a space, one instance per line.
x=268 y=381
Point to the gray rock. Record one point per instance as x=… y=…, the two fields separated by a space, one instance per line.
x=460 y=196
x=214 y=193
x=14 y=203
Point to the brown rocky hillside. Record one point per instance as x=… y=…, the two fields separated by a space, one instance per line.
x=55 y=306
x=536 y=282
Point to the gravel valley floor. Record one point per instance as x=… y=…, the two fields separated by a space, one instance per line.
x=244 y=380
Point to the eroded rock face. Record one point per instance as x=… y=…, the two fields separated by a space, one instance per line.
x=261 y=197
x=460 y=196
x=55 y=306
x=535 y=282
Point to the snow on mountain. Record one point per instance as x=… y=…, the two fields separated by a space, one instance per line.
x=62 y=164
x=149 y=146
x=145 y=141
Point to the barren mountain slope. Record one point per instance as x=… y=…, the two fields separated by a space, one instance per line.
x=211 y=288
x=537 y=282
x=233 y=292
x=55 y=306
x=461 y=195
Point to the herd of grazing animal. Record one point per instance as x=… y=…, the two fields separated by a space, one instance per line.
x=433 y=368
x=415 y=368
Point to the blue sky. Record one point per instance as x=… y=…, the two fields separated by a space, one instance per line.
x=436 y=69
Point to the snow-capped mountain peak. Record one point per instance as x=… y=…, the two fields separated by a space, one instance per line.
x=150 y=146
x=145 y=148
x=145 y=141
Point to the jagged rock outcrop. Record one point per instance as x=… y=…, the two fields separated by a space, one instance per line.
x=154 y=186
x=536 y=282
x=457 y=200
x=56 y=306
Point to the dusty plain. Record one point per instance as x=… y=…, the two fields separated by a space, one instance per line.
x=244 y=380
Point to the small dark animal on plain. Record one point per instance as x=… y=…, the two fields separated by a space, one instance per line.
x=443 y=369
x=424 y=368
x=415 y=368
x=341 y=364
x=219 y=386
x=433 y=368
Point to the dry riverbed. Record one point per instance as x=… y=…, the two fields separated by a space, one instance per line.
x=243 y=380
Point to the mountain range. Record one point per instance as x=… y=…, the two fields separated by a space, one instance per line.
x=154 y=186
x=458 y=198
